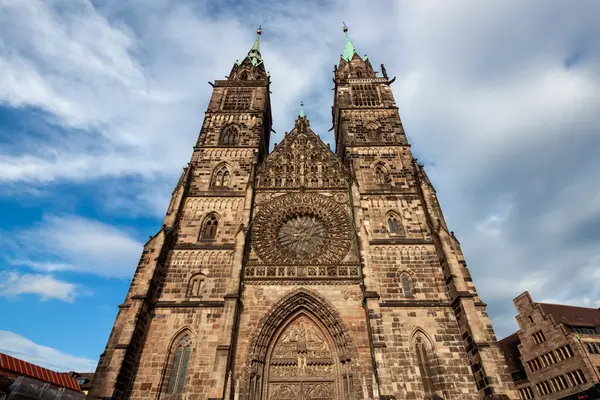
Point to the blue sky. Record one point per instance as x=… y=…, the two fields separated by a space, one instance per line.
x=101 y=103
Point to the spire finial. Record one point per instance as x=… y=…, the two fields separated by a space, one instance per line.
x=254 y=53
x=301 y=115
x=349 y=48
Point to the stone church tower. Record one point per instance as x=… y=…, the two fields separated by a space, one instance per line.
x=303 y=273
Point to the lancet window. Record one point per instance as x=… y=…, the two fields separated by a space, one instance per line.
x=406 y=285
x=423 y=353
x=372 y=130
x=209 y=228
x=394 y=225
x=230 y=136
x=221 y=177
x=195 y=285
x=381 y=175
x=178 y=365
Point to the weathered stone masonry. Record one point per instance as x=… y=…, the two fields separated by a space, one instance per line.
x=303 y=273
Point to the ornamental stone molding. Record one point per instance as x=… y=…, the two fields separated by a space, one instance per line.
x=302 y=228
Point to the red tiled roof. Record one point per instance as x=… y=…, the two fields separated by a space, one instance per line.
x=571 y=315
x=21 y=367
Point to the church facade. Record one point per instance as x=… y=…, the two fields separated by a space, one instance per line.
x=302 y=273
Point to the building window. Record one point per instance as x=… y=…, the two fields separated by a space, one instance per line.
x=539 y=337
x=230 y=136
x=526 y=393
x=406 y=288
x=365 y=95
x=179 y=365
x=221 y=177
x=237 y=99
x=381 y=175
x=530 y=319
x=359 y=73
x=244 y=76
x=394 y=226
x=209 y=228
x=195 y=285
x=424 y=363
x=372 y=130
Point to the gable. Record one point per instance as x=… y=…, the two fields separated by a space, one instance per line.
x=302 y=160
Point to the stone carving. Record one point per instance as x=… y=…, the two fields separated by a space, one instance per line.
x=301 y=228
x=301 y=354
x=301 y=339
x=285 y=391
x=302 y=160
x=301 y=236
x=319 y=391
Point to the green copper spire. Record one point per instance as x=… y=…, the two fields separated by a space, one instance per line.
x=349 y=48
x=301 y=115
x=254 y=53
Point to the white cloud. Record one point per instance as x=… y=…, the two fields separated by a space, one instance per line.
x=20 y=347
x=13 y=284
x=63 y=243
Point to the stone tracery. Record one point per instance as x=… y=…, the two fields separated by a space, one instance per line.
x=302 y=228
x=300 y=349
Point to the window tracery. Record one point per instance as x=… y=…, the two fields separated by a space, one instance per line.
x=230 y=136
x=221 y=177
x=196 y=285
x=209 y=228
x=179 y=358
x=372 y=130
x=394 y=225
x=381 y=175
x=424 y=363
x=365 y=95
x=237 y=99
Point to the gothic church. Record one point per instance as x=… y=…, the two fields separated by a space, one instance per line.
x=300 y=273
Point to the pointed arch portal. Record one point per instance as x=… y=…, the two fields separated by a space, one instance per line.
x=301 y=351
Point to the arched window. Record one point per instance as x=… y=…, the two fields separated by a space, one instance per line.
x=195 y=285
x=178 y=365
x=359 y=73
x=221 y=177
x=209 y=228
x=372 y=130
x=424 y=361
x=406 y=288
x=393 y=221
x=381 y=175
x=230 y=136
x=244 y=76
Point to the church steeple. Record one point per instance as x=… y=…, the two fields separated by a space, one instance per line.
x=254 y=53
x=252 y=66
x=352 y=65
x=349 y=49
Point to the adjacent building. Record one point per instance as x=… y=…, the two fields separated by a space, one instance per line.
x=303 y=273
x=23 y=380
x=556 y=352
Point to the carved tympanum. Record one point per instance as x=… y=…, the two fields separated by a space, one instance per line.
x=302 y=364
x=302 y=228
